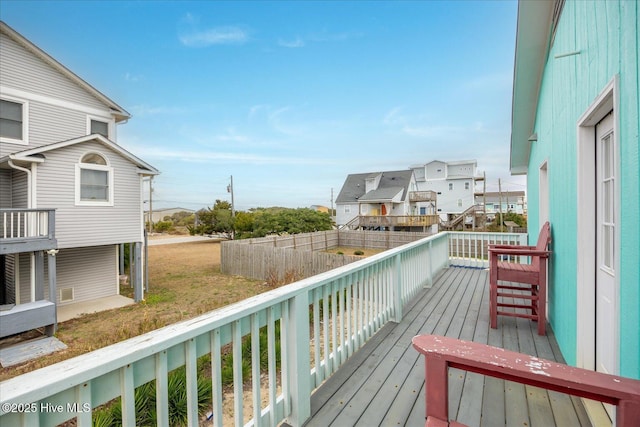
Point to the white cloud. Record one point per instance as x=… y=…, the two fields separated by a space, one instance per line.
x=326 y=36
x=192 y=35
x=133 y=77
x=155 y=153
x=146 y=110
x=393 y=117
x=297 y=42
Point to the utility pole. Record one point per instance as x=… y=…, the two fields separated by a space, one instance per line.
x=331 y=213
x=150 y=204
x=230 y=190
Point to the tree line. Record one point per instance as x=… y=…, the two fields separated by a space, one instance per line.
x=258 y=222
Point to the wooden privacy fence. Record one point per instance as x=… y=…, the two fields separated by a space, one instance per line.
x=273 y=257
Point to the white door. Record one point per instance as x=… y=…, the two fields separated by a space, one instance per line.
x=606 y=292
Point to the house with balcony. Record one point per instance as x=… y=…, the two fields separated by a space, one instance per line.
x=453 y=182
x=495 y=202
x=575 y=132
x=69 y=194
x=385 y=201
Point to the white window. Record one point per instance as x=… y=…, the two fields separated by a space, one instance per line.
x=98 y=125
x=94 y=181
x=466 y=185
x=14 y=121
x=450 y=186
x=347 y=209
x=459 y=203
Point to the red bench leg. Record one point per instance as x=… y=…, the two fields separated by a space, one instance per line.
x=493 y=292
x=542 y=298
x=436 y=388
x=627 y=413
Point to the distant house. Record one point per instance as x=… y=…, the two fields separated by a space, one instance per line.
x=453 y=182
x=161 y=214
x=382 y=194
x=320 y=208
x=575 y=124
x=69 y=194
x=507 y=201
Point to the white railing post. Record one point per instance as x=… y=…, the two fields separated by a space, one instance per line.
x=430 y=264
x=299 y=363
x=397 y=291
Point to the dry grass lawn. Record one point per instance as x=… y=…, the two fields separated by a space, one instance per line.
x=185 y=281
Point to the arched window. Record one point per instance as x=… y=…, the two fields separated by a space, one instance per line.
x=94 y=181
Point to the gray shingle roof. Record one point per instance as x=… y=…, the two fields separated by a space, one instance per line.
x=353 y=188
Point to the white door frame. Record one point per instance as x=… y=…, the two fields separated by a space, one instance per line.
x=606 y=101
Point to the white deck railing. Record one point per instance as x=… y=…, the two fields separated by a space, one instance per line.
x=470 y=249
x=322 y=321
x=27 y=223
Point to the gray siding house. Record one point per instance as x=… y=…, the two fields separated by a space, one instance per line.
x=374 y=194
x=69 y=194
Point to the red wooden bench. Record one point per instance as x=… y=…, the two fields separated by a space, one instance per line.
x=443 y=352
x=533 y=276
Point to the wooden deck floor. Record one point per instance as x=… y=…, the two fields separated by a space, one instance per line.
x=383 y=383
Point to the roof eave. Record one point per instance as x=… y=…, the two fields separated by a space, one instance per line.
x=532 y=45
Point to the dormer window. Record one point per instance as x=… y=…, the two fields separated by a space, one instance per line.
x=94 y=181
x=14 y=121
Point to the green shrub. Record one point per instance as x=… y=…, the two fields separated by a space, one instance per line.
x=163 y=226
x=358 y=253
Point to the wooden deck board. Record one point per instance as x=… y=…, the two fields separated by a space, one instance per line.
x=383 y=383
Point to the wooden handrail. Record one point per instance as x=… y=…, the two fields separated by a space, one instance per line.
x=442 y=353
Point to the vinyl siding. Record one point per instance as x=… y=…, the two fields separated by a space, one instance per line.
x=91 y=272
x=81 y=226
x=341 y=217
x=45 y=124
x=22 y=70
x=5 y=188
x=19 y=193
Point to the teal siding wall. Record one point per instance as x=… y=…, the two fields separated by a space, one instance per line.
x=606 y=34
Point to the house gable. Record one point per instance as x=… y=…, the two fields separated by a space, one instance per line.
x=46 y=76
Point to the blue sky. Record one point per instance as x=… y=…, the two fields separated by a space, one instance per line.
x=290 y=97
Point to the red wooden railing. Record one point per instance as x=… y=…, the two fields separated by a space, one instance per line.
x=441 y=353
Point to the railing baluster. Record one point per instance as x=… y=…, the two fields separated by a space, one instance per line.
x=236 y=334
x=271 y=363
x=341 y=313
x=216 y=377
x=349 y=318
x=334 y=325
x=162 y=389
x=255 y=369
x=316 y=336
x=192 y=382
x=325 y=331
x=285 y=352
x=127 y=399
x=83 y=397
x=366 y=313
